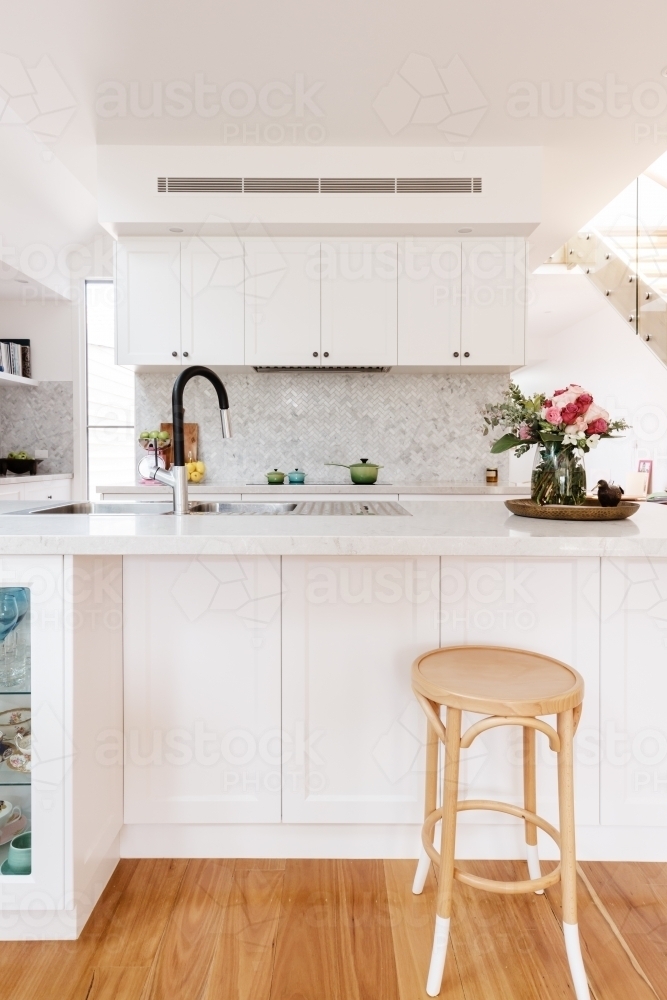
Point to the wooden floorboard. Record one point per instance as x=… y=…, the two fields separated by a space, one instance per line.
x=254 y=929
x=183 y=960
x=242 y=966
x=412 y=922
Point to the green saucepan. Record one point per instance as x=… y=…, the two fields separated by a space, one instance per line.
x=363 y=473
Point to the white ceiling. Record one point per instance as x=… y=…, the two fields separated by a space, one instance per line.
x=347 y=57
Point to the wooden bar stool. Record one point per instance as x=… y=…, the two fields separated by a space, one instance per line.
x=512 y=688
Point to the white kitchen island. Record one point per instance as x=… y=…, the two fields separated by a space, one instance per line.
x=240 y=686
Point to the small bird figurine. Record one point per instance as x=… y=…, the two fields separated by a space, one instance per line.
x=608 y=494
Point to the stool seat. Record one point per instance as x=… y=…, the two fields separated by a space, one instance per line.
x=497 y=680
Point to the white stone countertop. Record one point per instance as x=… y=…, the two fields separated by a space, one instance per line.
x=436 y=489
x=482 y=528
x=10 y=480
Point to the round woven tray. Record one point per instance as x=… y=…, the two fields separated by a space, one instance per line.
x=590 y=510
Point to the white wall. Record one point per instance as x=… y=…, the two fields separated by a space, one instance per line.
x=601 y=353
x=50 y=326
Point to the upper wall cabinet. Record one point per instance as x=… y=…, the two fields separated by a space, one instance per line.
x=282 y=303
x=359 y=319
x=435 y=303
x=212 y=301
x=493 y=294
x=429 y=302
x=148 y=302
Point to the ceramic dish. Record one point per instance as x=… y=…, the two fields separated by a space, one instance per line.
x=588 y=511
x=20 y=762
x=11 y=830
x=6 y=870
x=13 y=722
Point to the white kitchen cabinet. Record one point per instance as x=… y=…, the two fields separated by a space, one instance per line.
x=282 y=303
x=429 y=302
x=202 y=689
x=549 y=606
x=493 y=302
x=25 y=489
x=212 y=301
x=54 y=489
x=634 y=692
x=148 y=302
x=359 y=303
x=353 y=731
x=73 y=688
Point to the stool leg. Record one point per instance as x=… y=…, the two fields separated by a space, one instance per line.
x=568 y=854
x=530 y=802
x=447 y=848
x=430 y=801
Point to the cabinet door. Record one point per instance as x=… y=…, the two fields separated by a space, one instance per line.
x=212 y=308
x=493 y=307
x=202 y=689
x=359 y=303
x=634 y=692
x=353 y=731
x=549 y=606
x=56 y=489
x=148 y=302
x=282 y=294
x=429 y=303
x=43 y=794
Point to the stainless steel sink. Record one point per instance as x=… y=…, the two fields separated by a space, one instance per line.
x=237 y=507
x=91 y=507
x=324 y=508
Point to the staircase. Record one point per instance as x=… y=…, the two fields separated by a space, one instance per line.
x=623 y=251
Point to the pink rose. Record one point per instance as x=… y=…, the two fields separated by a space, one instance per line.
x=595 y=412
x=598 y=426
x=559 y=392
x=553 y=415
x=570 y=413
x=583 y=402
x=577 y=425
x=525 y=433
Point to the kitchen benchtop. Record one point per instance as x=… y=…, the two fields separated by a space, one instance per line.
x=483 y=528
x=12 y=480
x=443 y=489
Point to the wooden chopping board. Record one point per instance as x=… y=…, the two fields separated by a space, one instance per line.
x=191 y=436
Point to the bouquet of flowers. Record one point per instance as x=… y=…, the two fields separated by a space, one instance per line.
x=565 y=426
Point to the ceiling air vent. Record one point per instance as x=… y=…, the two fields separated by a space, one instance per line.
x=280 y=185
x=264 y=369
x=439 y=185
x=204 y=184
x=319 y=185
x=357 y=185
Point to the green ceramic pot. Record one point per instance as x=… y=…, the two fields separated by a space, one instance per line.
x=275 y=478
x=363 y=473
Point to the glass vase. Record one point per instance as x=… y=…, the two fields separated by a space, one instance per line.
x=559 y=475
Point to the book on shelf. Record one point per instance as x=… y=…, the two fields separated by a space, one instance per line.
x=15 y=357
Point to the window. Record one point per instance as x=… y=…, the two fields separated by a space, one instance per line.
x=110 y=397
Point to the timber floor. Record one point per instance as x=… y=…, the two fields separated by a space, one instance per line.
x=339 y=930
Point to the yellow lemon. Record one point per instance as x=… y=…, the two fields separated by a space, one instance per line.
x=200 y=467
x=196 y=477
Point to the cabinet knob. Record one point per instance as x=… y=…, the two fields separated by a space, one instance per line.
x=185 y=354
x=326 y=354
x=174 y=354
x=466 y=354
x=314 y=354
x=456 y=354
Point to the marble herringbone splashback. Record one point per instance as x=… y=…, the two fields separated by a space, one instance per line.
x=39 y=417
x=421 y=428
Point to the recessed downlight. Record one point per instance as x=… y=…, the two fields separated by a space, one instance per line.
x=175 y=230
x=466 y=229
